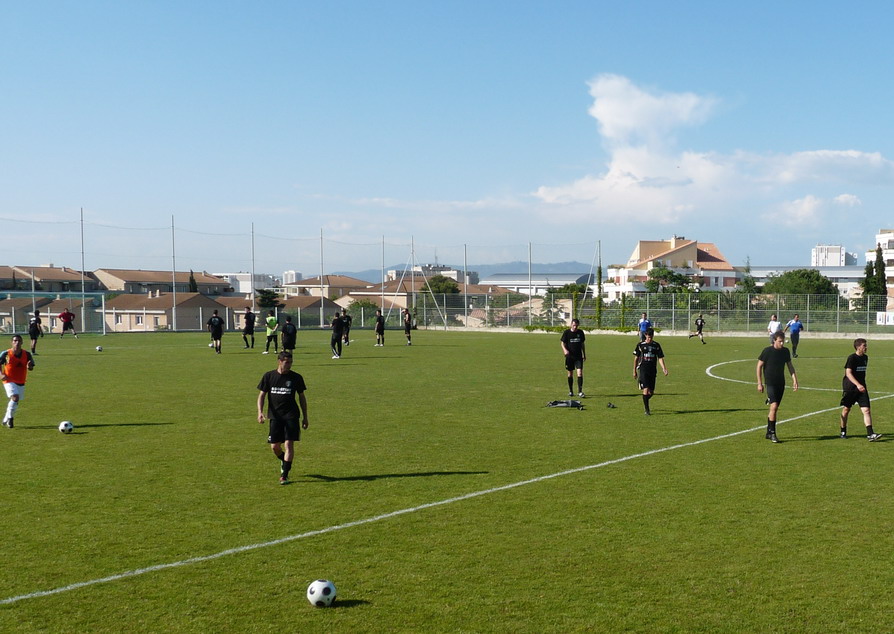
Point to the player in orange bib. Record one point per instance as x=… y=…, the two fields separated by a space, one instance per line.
x=14 y=366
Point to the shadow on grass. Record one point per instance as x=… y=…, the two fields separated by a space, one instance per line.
x=729 y=410
x=856 y=438
x=370 y=478
x=348 y=603
x=78 y=428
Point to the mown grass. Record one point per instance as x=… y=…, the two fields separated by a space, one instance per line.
x=167 y=463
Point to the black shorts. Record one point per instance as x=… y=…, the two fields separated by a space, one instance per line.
x=34 y=333
x=572 y=363
x=774 y=393
x=850 y=397
x=280 y=431
x=646 y=379
x=249 y=330
x=67 y=325
x=216 y=334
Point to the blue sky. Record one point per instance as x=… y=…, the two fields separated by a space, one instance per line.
x=467 y=129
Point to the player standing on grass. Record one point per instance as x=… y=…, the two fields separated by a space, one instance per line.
x=795 y=327
x=216 y=328
x=648 y=355
x=380 y=329
x=348 y=320
x=248 y=328
x=854 y=389
x=67 y=317
x=699 y=326
x=35 y=330
x=771 y=366
x=272 y=329
x=575 y=351
x=773 y=327
x=408 y=325
x=289 y=334
x=643 y=325
x=15 y=364
x=279 y=387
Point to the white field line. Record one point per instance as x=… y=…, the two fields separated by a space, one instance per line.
x=710 y=372
x=385 y=516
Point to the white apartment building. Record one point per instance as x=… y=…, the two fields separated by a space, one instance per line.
x=829 y=255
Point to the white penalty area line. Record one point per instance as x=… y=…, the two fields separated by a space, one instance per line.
x=385 y=516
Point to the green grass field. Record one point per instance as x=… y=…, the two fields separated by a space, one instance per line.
x=404 y=491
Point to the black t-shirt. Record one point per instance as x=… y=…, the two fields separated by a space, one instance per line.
x=857 y=364
x=281 y=390
x=216 y=323
x=380 y=323
x=249 y=320
x=775 y=362
x=648 y=355
x=699 y=323
x=338 y=327
x=574 y=342
x=289 y=332
x=348 y=320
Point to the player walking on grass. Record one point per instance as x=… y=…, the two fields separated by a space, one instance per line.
x=272 y=329
x=794 y=326
x=348 y=320
x=67 y=318
x=648 y=355
x=338 y=331
x=35 y=330
x=248 y=328
x=380 y=329
x=15 y=364
x=773 y=327
x=699 y=326
x=643 y=325
x=771 y=365
x=216 y=328
x=854 y=389
x=575 y=351
x=279 y=387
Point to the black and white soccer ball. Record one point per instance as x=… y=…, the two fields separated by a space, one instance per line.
x=321 y=593
x=66 y=427
x=99 y=348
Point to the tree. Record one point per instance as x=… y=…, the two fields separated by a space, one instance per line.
x=800 y=282
x=364 y=307
x=747 y=285
x=874 y=283
x=193 y=286
x=442 y=285
x=266 y=298
x=663 y=279
x=881 y=280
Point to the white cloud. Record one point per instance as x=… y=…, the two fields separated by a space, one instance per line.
x=848 y=200
x=647 y=180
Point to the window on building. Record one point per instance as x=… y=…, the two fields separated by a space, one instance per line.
x=139 y=320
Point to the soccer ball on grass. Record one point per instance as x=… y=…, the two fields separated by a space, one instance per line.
x=99 y=348
x=321 y=593
x=66 y=427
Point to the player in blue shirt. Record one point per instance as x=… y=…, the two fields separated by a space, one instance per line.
x=794 y=326
x=644 y=325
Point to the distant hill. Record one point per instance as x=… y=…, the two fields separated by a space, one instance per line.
x=484 y=270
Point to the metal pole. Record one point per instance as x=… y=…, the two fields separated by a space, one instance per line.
x=83 y=298
x=253 y=266
x=173 y=278
x=321 y=278
x=530 y=290
x=465 y=286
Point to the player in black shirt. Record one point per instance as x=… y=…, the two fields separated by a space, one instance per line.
x=771 y=365
x=348 y=320
x=648 y=355
x=216 y=328
x=854 y=389
x=338 y=331
x=289 y=334
x=699 y=326
x=279 y=388
x=248 y=328
x=380 y=329
x=575 y=351
x=35 y=330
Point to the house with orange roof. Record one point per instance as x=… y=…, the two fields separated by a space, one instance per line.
x=702 y=261
x=142 y=282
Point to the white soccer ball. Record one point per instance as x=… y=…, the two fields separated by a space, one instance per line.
x=210 y=344
x=99 y=348
x=66 y=427
x=321 y=593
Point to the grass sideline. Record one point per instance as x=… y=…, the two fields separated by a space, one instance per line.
x=166 y=464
